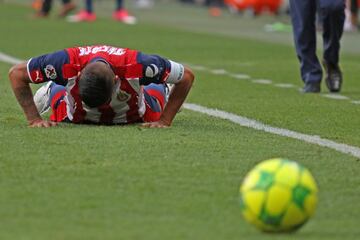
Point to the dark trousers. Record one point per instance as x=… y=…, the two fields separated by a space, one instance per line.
x=332 y=17
x=46 y=6
x=89 y=5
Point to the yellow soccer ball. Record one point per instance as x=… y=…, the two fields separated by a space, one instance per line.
x=278 y=195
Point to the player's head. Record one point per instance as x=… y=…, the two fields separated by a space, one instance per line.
x=96 y=83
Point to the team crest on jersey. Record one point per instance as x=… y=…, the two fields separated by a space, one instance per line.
x=123 y=96
x=50 y=72
x=151 y=71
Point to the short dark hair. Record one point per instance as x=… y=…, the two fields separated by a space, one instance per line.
x=96 y=85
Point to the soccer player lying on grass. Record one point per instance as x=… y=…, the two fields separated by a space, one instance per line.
x=101 y=85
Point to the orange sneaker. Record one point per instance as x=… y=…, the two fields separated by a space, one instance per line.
x=37 y=5
x=123 y=16
x=82 y=16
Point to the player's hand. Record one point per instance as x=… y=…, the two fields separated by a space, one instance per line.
x=158 y=124
x=41 y=123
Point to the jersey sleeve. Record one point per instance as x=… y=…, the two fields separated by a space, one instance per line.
x=48 y=67
x=158 y=70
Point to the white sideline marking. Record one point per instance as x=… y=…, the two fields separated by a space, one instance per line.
x=218 y=71
x=251 y=123
x=355 y=102
x=336 y=96
x=262 y=81
x=240 y=76
x=8 y=59
x=199 y=68
x=246 y=122
x=284 y=85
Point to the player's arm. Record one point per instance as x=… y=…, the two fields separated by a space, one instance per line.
x=176 y=99
x=20 y=83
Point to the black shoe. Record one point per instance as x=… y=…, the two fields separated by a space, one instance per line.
x=311 y=88
x=333 y=77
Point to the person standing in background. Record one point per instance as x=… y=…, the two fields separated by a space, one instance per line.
x=43 y=7
x=332 y=17
x=87 y=15
x=351 y=21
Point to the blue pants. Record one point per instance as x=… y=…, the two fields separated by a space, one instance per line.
x=332 y=17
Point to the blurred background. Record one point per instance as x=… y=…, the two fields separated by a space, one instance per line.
x=266 y=20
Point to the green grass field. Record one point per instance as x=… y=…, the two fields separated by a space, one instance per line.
x=92 y=182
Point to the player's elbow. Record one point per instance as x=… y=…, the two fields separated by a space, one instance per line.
x=17 y=72
x=14 y=72
x=189 y=75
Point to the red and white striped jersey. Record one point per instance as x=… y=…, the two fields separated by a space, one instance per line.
x=133 y=68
